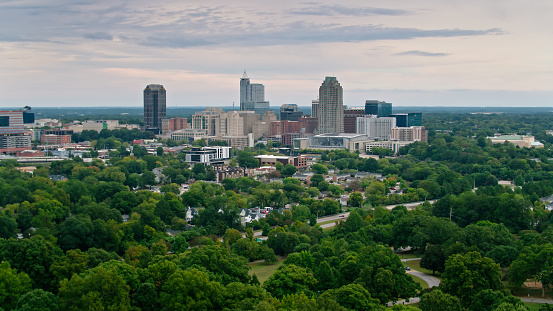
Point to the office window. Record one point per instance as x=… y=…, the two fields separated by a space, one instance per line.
x=4 y=121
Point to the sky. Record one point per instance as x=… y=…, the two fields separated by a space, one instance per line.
x=80 y=53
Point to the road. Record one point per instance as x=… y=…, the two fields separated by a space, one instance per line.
x=430 y=280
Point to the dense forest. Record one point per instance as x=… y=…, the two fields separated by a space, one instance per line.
x=99 y=239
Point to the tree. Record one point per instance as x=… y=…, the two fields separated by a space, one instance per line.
x=146 y=297
x=437 y=300
x=353 y=297
x=76 y=232
x=226 y=267
x=38 y=300
x=96 y=289
x=74 y=262
x=355 y=199
x=319 y=169
x=316 y=180
x=7 y=227
x=231 y=236
x=289 y=170
x=290 y=279
x=12 y=285
x=191 y=290
x=33 y=256
x=433 y=259
x=466 y=275
x=490 y=300
x=147 y=179
x=246 y=159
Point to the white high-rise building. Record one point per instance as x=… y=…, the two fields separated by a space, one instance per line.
x=373 y=126
x=331 y=107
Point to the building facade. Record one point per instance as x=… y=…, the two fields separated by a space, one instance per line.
x=331 y=107
x=154 y=107
x=350 y=119
x=378 y=108
x=372 y=126
x=290 y=112
x=413 y=133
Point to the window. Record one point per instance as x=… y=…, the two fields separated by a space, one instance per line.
x=4 y=121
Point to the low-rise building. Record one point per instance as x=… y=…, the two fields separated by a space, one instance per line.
x=393 y=145
x=189 y=135
x=351 y=142
x=207 y=155
x=517 y=140
x=272 y=160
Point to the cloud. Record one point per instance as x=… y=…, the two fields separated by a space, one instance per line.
x=423 y=53
x=98 y=36
x=174 y=42
x=17 y=38
x=300 y=33
x=340 y=10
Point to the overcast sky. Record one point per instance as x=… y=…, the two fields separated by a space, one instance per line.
x=428 y=52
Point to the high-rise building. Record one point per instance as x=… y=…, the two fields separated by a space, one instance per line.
x=378 y=108
x=252 y=96
x=350 y=119
x=373 y=126
x=331 y=107
x=315 y=108
x=414 y=119
x=290 y=112
x=154 y=107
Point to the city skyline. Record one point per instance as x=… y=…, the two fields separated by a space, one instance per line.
x=411 y=54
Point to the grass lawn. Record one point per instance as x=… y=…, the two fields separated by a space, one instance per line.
x=408 y=255
x=264 y=270
x=533 y=306
x=421 y=282
x=415 y=265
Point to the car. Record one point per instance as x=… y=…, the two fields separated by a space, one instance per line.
x=341 y=216
x=407 y=268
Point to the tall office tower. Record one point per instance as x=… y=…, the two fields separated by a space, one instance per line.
x=414 y=119
x=154 y=107
x=350 y=119
x=244 y=90
x=252 y=96
x=290 y=112
x=331 y=107
x=378 y=108
x=315 y=108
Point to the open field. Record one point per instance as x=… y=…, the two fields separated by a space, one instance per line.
x=264 y=270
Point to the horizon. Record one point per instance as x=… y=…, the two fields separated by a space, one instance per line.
x=104 y=53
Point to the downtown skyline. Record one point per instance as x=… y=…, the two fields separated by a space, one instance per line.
x=429 y=53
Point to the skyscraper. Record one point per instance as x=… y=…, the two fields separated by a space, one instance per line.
x=378 y=108
x=331 y=107
x=154 y=107
x=252 y=96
